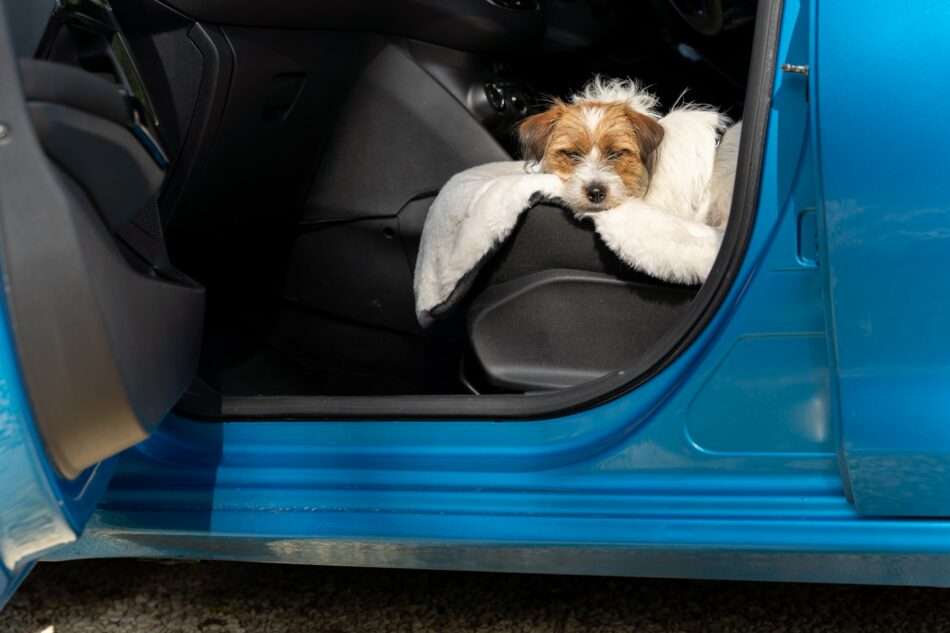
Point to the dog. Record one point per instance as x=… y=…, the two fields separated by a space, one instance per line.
x=606 y=143
x=604 y=151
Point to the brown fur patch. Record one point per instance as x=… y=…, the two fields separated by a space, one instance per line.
x=649 y=136
x=564 y=135
x=536 y=130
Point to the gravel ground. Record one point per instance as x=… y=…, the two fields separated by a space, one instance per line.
x=145 y=597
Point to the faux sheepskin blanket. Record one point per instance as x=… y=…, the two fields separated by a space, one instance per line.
x=673 y=233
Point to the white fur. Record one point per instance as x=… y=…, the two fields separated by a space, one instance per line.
x=673 y=234
x=593 y=115
x=684 y=163
x=722 y=182
x=659 y=243
x=628 y=91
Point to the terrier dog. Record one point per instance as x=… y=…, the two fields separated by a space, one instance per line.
x=657 y=188
x=602 y=147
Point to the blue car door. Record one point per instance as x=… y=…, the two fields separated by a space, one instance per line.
x=885 y=211
x=99 y=334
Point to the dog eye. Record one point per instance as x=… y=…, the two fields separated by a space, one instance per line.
x=572 y=155
x=617 y=154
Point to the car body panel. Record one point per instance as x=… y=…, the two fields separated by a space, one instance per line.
x=885 y=209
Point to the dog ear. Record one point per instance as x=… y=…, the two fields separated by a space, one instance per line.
x=535 y=131
x=649 y=136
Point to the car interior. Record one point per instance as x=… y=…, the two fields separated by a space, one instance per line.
x=284 y=155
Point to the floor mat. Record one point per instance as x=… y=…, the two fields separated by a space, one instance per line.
x=298 y=352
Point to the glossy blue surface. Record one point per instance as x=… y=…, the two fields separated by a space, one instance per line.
x=727 y=464
x=881 y=83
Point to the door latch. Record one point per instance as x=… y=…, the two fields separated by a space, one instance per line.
x=798 y=70
x=794 y=68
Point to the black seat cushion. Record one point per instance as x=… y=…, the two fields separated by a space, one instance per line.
x=554 y=307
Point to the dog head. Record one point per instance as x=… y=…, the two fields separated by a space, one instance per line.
x=603 y=151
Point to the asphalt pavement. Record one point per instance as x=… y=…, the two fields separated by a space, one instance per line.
x=147 y=597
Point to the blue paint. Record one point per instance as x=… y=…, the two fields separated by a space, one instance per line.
x=781 y=409
x=886 y=213
x=727 y=464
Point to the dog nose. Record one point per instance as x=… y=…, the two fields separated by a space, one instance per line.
x=596 y=193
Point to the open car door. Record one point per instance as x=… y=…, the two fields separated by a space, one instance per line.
x=99 y=334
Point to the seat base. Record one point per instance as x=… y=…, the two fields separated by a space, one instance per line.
x=559 y=328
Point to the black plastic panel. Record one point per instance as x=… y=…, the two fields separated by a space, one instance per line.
x=45 y=81
x=475 y=25
x=560 y=328
x=555 y=308
x=400 y=135
x=114 y=169
x=412 y=220
x=172 y=65
x=251 y=166
x=199 y=113
x=27 y=21
x=398 y=138
x=357 y=271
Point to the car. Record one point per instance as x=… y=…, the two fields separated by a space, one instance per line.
x=209 y=214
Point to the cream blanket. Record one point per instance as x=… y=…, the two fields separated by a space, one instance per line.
x=672 y=234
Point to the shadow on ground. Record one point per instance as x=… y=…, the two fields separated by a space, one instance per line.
x=147 y=597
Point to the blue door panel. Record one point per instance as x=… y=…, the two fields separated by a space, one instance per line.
x=776 y=411
x=881 y=78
